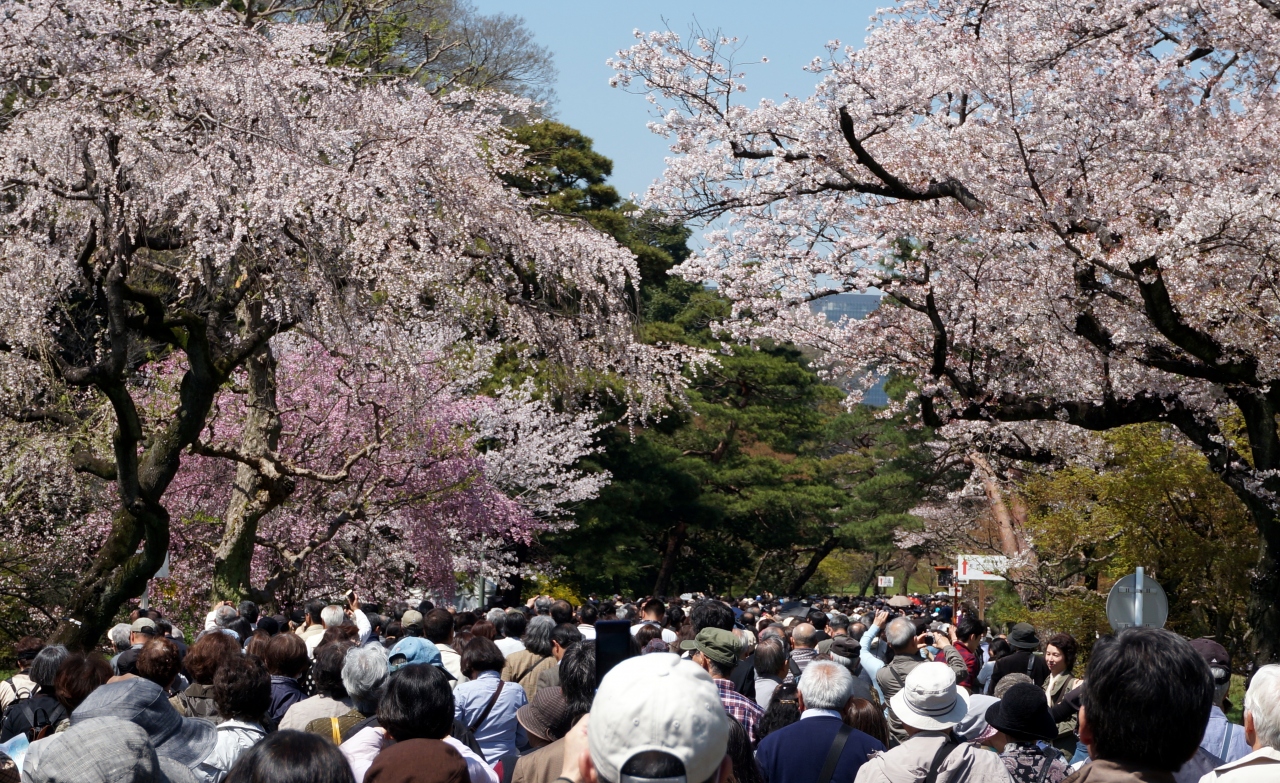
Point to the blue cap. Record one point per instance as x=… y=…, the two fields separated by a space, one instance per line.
x=416 y=650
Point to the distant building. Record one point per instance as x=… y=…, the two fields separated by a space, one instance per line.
x=855 y=307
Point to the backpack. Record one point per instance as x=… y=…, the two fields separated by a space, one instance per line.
x=18 y=695
x=40 y=722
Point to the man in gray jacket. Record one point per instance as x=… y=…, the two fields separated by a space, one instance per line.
x=906 y=643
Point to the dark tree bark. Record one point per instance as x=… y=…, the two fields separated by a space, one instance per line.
x=811 y=568
x=670 y=554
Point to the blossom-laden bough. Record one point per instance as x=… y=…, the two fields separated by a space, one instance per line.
x=1072 y=209
x=179 y=188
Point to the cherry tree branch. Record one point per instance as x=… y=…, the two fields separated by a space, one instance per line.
x=1272 y=6
x=896 y=188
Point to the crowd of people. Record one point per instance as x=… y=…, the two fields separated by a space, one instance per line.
x=695 y=690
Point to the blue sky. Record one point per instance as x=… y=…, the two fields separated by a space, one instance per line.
x=582 y=35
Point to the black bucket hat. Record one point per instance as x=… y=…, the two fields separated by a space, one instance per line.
x=1023 y=637
x=1023 y=714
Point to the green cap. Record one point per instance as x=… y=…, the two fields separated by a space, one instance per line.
x=719 y=645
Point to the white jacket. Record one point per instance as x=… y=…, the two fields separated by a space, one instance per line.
x=364 y=746
x=1260 y=766
x=234 y=738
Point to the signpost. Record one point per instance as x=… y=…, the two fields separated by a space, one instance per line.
x=1137 y=601
x=970 y=568
x=981 y=569
x=884 y=581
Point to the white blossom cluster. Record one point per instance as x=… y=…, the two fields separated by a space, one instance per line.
x=226 y=160
x=1072 y=208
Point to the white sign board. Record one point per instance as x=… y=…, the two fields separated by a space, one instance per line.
x=884 y=581
x=981 y=567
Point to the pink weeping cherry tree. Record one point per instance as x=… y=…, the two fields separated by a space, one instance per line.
x=1073 y=210
x=393 y=481
x=181 y=190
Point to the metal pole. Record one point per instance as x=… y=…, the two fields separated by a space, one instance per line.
x=1137 y=597
x=145 y=603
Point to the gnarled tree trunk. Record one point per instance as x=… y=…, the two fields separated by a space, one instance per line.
x=253 y=495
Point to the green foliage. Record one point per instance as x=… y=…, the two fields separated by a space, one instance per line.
x=570 y=177
x=1154 y=503
x=761 y=476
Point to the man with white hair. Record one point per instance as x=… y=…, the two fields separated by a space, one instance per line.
x=333 y=616
x=819 y=746
x=1261 y=731
x=119 y=636
x=930 y=705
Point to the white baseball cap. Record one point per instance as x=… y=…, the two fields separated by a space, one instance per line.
x=929 y=699
x=658 y=702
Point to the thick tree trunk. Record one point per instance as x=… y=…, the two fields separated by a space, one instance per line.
x=1264 y=604
x=1260 y=411
x=670 y=554
x=869 y=582
x=811 y=567
x=1011 y=540
x=253 y=495
x=119 y=572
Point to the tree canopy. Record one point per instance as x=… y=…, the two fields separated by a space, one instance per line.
x=182 y=189
x=1087 y=203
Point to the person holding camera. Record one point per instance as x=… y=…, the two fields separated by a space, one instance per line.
x=906 y=640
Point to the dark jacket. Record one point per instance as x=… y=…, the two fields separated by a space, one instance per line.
x=284 y=694
x=796 y=753
x=1016 y=663
x=744 y=677
x=127 y=661
x=39 y=709
x=862 y=688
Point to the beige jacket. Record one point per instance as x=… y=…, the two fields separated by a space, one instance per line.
x=909 y=763
x=543 y=765
x=1055 y=690
x=524 y=667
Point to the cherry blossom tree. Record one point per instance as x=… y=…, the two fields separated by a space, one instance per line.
x=1071 y=208
x=178 y=187
x=385 y=481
